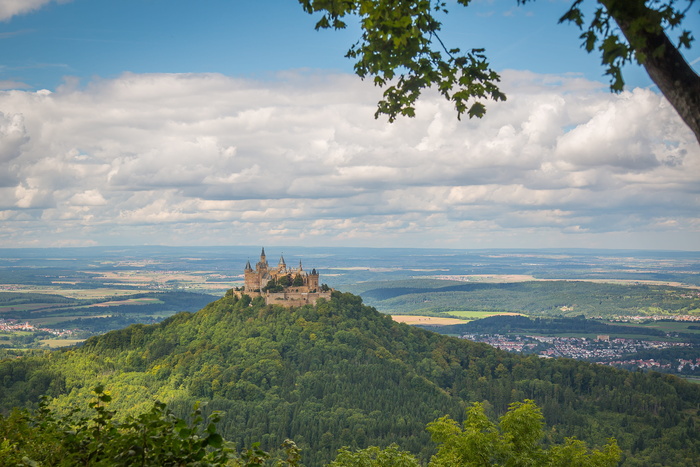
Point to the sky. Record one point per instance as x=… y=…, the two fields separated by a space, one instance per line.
x=175 y=122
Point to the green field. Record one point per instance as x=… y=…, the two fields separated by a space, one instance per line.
x=56 y=343
x=673 y=326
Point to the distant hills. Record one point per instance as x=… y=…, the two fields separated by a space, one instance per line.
x=551 y=297
x=342 y=374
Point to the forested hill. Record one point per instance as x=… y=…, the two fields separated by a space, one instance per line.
x=340 y=373
x=541 y=298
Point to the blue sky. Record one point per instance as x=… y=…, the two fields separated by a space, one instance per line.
x=87 y=38
x=229 y=122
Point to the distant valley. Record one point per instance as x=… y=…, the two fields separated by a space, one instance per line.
x=68 y=294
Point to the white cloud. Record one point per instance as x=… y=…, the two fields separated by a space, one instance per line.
x=204 y=158
x=10 y=8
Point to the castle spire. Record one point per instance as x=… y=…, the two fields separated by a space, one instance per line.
x=282 y=263
x=262 y=255
x=300 y=268
x=248 y=267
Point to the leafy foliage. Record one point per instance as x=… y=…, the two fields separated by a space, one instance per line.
x=153 y=438
x=158 y=438
x=616 y=50
x=514 y=442
x=401 y=50
x=373 y=456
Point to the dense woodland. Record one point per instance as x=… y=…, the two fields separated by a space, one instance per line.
x=342 y=374
x=562 y=298
x=503 y=324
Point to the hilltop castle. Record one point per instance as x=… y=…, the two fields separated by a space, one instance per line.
x=282 y=285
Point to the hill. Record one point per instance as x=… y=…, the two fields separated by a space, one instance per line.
x=542 y=298
x=340 y=373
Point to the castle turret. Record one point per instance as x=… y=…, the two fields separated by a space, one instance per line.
x=262 y=264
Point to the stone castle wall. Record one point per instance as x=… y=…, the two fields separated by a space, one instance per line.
x=287 y=299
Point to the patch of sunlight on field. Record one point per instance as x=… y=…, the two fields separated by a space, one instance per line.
x=428 y=320
x=56 y=343
x=129 y=301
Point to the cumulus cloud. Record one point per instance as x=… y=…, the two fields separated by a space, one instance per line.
x=205 y=158
x=10 y=8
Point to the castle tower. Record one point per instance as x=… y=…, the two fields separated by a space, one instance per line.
x=313 y=280
x=282 y=266
x=251 y=278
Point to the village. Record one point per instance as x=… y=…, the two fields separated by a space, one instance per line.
x=602 y=350
x=13 y=325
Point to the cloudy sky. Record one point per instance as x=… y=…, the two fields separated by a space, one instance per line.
x=224 y=122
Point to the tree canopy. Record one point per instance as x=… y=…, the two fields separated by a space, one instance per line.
x=157 y=437
x=401 y=50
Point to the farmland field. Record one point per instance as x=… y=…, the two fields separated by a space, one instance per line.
x=56 y=343
x=469 y=315
x=425 y=320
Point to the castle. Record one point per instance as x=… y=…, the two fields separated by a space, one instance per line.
x=282 y=285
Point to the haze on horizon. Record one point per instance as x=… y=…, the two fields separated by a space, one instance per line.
x=132 y=123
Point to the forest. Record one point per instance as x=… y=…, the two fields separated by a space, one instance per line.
x=543 y=298
x=503 y=324
x=342 y=374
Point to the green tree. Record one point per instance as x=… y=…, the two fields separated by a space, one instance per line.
x=401 y=49
x=153 y=438
x=285 y=281
x=298 y=281
x=373 y=456
x=515 y=441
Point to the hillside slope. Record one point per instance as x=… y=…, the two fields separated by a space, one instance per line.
x=341 y=374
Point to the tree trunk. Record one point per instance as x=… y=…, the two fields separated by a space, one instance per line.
x=661 y=59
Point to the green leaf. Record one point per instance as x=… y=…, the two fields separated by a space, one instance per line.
x=477 y=110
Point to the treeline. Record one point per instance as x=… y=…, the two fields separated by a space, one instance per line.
x=568 y=298
x=21 y=298
x=342 y=374
x=47 y=276
x=167 y=302
x=504 y=324
x=158 y=437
